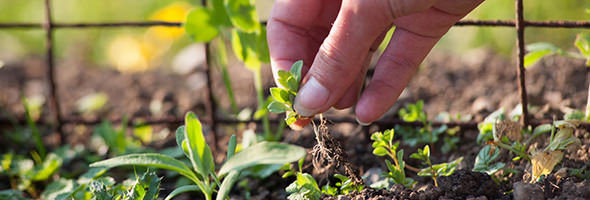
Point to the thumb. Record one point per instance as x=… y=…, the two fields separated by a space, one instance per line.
x=341 y=56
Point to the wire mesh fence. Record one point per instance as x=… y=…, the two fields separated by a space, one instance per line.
x=59 y=120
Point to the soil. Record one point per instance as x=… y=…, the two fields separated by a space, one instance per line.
x=476 y=83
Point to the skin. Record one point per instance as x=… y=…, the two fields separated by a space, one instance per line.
x=338 y=39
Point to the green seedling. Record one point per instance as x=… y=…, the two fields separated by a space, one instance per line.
x=284 y=96
x=191 y=141
x=383 y=146
x=434 y=171
x=486 y=160
x=304 y=186
x=344 y=186
x=425 y=134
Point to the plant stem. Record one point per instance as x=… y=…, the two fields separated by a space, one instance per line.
x=221 y=60
x=261 y=103
x=434 y=175
x=505 y=146
x=34 y=130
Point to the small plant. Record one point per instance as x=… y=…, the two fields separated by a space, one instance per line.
x=434 y=171
x=304 y=186
x=426 y=134
x=191 y=141
x=146 y=187
x=284 y=96
x=383 y=145
x=485 y=160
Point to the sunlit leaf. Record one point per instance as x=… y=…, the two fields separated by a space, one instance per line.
x=200 y=25
x=245 y=48
x=263 y=153
x=485 y=158
x=227 y=184
x=242 y=14
x=544 y=162
x=199 y=151
x=182 y=189
x=583 y=44
x=277 y=107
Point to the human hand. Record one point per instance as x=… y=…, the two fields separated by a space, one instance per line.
x=339 y=37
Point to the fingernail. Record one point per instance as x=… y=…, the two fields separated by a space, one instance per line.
x=310 y=98
x=362 y=123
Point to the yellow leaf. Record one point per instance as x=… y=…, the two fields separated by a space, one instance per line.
x=544 y=162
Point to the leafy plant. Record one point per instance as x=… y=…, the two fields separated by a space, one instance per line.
x=425 y=134
x=485 y=160
x=191 y=141
x=284 y=96
x=434 y=171
x=304 y=186
x=383 y=145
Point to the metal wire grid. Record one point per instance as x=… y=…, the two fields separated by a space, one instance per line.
x=59 y=120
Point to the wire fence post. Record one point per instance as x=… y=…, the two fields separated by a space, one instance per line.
x=210 y=102
x=54 y=103
x=520 y=25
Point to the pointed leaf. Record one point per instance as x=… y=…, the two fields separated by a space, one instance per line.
x=296 y=70
x=227 y=184
x=199 y=151
x=182 y=189
x=280 y=95
x=148 y=160
x=180 y=141
x=263 y=153
x=231 y=147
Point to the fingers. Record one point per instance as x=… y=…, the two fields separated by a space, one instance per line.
x=412 y=40
x=296 y=29
x=341 y=57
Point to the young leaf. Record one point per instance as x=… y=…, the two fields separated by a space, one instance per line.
x=242 y=14
x=148 y=160
x=263 y=153
x=277 y=107
x=292 y=84
x=231 y=147
x=583 y=44
x=485 y=158
x=245 y=48
x=281 y=95
x=182 y=189
x=199 y=151
x=227 y=184
x=283 y=77
x=180 y=141
x=296 y=70
x=200 y=25
x=536 y=51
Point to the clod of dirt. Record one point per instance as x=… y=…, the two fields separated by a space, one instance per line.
x=467 y=184
x=573 y=190
x=525 y=191
x=328 y=153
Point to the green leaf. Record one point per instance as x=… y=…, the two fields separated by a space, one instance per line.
x=543 y=128
x=263 y=153
x=293 y=84
x=485 y=158
x=182 y=189
x=148 y=160
x=245 y=48
x=296 y=70
x=180 y=141
x=280 y=95
x=380 y=151
x=231 y=146
x=283 y=77
x=219 y=15
x=242 y=14
x=583 y=44
x=533 y=57
x=200 y=25
x=227 y=184
x=277 y=107
x=290 y=119
x=51 y=164
x=263 y=52
x=56 y=189
x=199 y=151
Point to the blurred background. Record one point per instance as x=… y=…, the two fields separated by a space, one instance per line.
x=111 y=72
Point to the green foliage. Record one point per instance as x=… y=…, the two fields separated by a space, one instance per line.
x=284 y=95
x=434 y=171
x=536 y=51
x=201 y=25
x=33 y=127
x=191 y=141
x=383 y=145
x=583 y=44
x=426 y=134
x=484 y=162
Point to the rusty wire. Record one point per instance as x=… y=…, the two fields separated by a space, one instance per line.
x=49 y=26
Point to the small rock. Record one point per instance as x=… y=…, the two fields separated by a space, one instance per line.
x=523 y=191
x=372 y=175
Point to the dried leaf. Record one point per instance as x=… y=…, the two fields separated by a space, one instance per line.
x=509 y=129
x=543 y=163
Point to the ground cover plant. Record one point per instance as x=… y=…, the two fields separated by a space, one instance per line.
x=421 y=158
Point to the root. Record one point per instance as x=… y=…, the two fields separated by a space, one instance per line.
x=328 y=154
